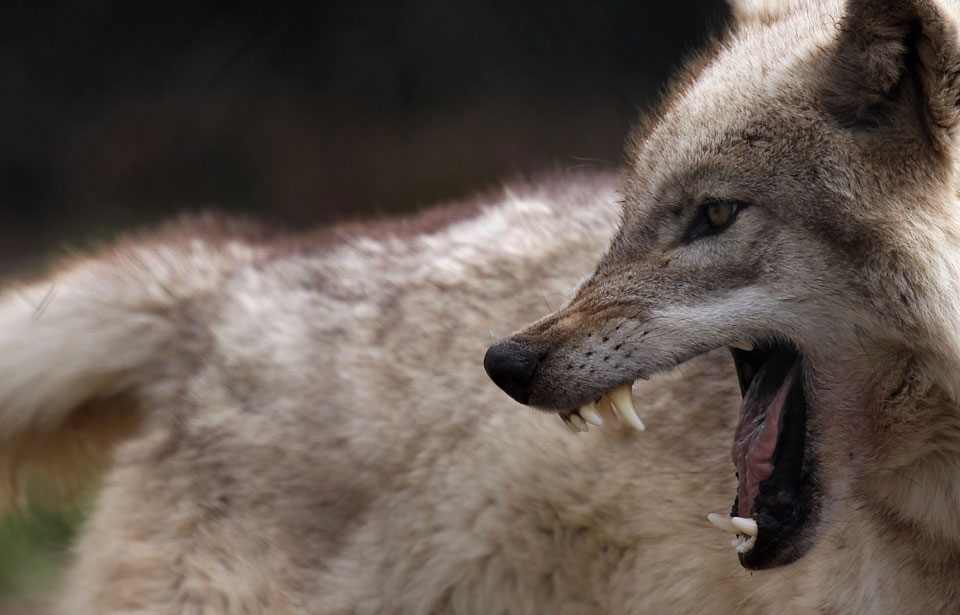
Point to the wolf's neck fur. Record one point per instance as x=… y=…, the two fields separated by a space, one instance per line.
x=917 y=438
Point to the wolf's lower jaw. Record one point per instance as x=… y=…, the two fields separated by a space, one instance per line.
x=769 y=466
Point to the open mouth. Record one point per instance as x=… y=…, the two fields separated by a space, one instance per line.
x=775 y=476
x=773 y=501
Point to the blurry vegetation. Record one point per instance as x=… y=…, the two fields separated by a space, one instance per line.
x=34 y=544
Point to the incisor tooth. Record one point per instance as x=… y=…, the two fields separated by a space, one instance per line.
x=744 y=525
x=622 y=399
x=722 y=522
x=579 y=422
x=569 y=425
x=590 y=415
x=746 y=545
x=743 y=345
x=605 y=410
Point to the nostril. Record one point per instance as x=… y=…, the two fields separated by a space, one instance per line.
x=512 y=367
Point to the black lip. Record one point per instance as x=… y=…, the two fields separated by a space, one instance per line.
x=785 y=505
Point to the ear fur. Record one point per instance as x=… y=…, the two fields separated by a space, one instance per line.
x=897 y=66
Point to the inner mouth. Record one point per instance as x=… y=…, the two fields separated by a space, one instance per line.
x=774 y=479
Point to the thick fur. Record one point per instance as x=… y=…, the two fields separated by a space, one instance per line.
x=302 y=425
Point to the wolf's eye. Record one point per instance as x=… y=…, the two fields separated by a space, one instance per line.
x=714 y=217
x=719 y=214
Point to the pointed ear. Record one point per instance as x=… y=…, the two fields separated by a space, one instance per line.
x=763 y=11
x=897 y=66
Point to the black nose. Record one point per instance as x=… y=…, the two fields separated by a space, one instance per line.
x=512 y=367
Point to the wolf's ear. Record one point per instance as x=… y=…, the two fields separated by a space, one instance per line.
x=763 y=11
x=897 y=65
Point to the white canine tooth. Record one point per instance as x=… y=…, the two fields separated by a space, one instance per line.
x=622 y=399
x=746 y=545
x=579 y=422
x=722 y=522
x=743 y=345
x=590 y=415
x=744 y=525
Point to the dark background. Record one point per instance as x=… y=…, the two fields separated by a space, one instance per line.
x=117 y=114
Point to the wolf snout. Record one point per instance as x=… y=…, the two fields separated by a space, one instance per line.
x=512 y=367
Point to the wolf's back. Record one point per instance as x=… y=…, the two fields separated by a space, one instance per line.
x=89 y=351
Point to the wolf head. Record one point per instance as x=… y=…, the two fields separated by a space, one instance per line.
x=794 y=198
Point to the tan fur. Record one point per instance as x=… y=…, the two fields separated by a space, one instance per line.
x=303 y=425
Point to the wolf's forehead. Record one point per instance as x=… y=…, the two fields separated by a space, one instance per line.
x=762 y=68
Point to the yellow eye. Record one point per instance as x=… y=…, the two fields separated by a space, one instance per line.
x=719 y=214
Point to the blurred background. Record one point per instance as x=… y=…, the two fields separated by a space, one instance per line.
x=117 y=114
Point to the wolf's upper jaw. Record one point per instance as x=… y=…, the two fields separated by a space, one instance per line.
x=617 y=404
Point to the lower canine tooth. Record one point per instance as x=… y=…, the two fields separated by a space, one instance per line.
x=744 y=525
x=590 y=415
x=722 y=522
x=622 y=399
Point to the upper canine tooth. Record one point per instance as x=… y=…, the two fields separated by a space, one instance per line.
x=590 y=414
x=722 y=522
x=743 y=345
x=622 y=399
x=744 y=525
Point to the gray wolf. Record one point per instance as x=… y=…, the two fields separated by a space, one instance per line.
x=302 y=425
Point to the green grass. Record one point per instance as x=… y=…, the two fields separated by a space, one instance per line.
x=34 y=546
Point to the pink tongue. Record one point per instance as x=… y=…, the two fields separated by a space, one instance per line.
x=761 y=419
